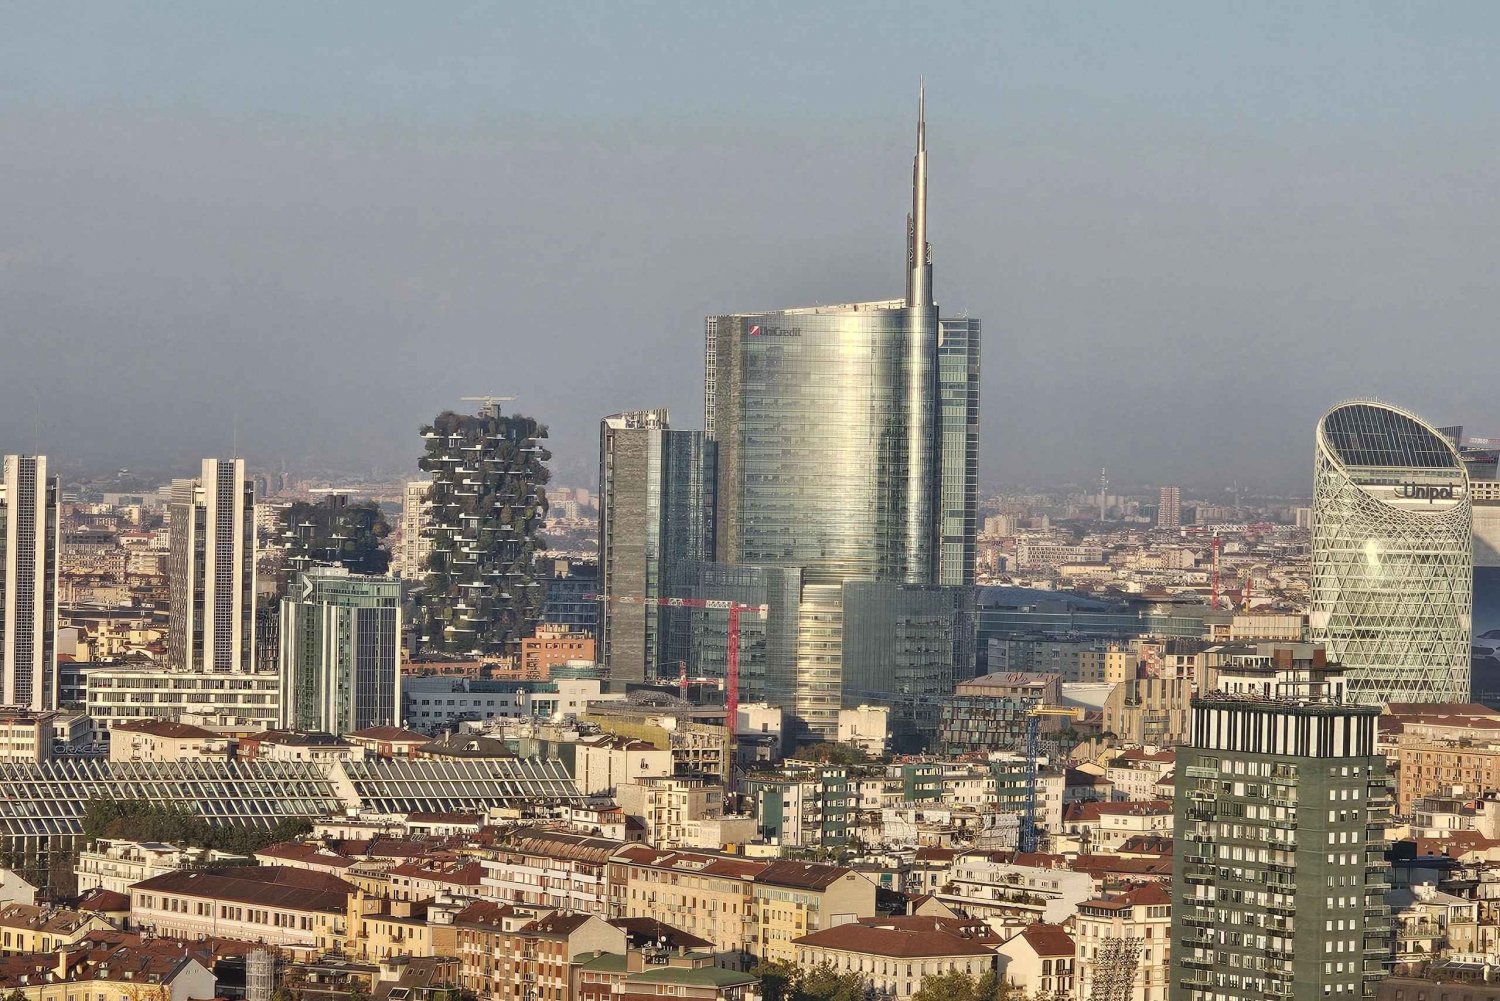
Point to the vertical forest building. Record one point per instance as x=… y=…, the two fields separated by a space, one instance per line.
x=488 y=500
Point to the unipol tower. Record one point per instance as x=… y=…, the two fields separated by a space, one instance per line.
x=1392 y=569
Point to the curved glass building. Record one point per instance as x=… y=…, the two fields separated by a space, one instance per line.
x=1392 y=568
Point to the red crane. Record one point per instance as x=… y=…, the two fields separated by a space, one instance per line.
x=732 y=660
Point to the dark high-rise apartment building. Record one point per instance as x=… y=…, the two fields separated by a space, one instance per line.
x=30 y=535
x=847 y=441
x=211 y=570
x=1279 y=874
x=655 y=518
x=488 y=500
x=1169 y=508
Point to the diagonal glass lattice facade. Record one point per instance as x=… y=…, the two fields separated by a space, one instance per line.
x=1392 y=567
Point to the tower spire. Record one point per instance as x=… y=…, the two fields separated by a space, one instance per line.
x=918 y=251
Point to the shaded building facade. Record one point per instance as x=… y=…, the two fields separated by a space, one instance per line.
x=655 y=518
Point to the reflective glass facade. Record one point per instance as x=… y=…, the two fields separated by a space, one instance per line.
x=340 y=651
x=1392 y=575
x=826 y=422
x=958 y=416
x=655 y=517
x=848 y=447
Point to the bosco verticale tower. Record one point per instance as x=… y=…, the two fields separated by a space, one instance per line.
x=488 y=506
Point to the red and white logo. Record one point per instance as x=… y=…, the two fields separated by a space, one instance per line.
x=755 y=330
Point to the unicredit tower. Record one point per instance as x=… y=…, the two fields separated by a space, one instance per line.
x=846 y=490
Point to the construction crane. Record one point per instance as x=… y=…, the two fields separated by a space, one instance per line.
x=731 y=660
x=1034 y=716
x=488 y=401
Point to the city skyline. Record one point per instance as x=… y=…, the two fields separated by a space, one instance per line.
x=1076 y=222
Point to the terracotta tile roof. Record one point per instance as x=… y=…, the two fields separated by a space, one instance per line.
x=1138 y=896
x=307 y=854
x=1113 y=865
x=1048 y=940
x=1083 y=812
x=102 y=900
x=907 y=937
x=162 y=728
x=468 y=874
x=802 y=875
x=393 y=734
x=639 y=931
x=271 y=885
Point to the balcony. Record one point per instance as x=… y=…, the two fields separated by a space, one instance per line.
x=1419 y=930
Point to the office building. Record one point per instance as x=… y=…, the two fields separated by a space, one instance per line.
x=958 y=459
x=340 y=651
x=571 y=593
x=1280 y=874
x=118 y=693
x=488 y=506
x=211 y=570
x=30 y=532
x=416 y=543
x=847 y=452
x=655 y=517
x=1481 y=459
x=1169 y=508
x=1392 y=569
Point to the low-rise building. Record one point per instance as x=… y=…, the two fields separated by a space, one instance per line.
x=116 y=863
x=292 y=908
x=159 y=971
x=29 y=928
x=510 y=952
x=894 y=955
x=1039 y=961
x=164 y=740
x=1124 y=942
x=388 y=741
x=749 y=909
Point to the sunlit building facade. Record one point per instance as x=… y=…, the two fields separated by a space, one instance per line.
x=1392 y=566
x=29 y=546
x=847 y=441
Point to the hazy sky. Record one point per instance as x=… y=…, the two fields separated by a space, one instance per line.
x=1188 y=228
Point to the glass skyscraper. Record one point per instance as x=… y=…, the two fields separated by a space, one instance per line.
x=340 y=651
x=847 y=444
x=1392 y=566
x=655 y=517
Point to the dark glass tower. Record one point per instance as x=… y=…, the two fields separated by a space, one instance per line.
x=847 y=444
x=655 y=518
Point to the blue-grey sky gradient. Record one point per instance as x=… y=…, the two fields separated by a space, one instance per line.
x=1189 y=228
